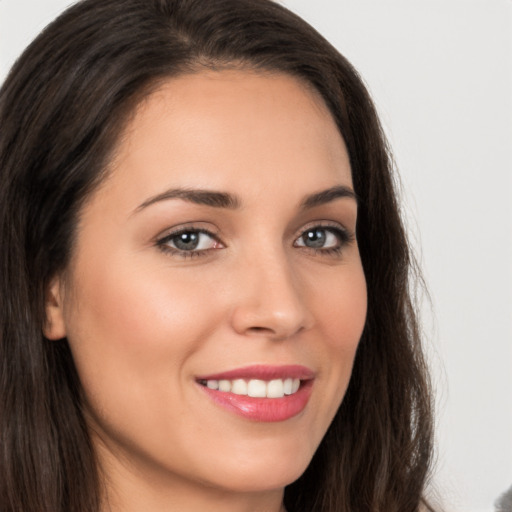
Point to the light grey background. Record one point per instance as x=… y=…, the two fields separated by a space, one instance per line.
x=441 y=74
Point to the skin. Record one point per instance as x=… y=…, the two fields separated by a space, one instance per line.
x=143 y=322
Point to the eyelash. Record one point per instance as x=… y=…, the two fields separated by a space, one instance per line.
x=162 y=243
x=344 y=238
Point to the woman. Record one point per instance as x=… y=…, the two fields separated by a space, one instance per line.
x=205 y=279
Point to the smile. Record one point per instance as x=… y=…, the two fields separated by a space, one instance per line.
x=261 y=393
x=276 y=388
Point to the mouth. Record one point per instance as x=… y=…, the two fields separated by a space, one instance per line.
x=261 y=393
x=256 y=388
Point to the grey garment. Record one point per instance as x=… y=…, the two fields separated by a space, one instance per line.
x=504 y=502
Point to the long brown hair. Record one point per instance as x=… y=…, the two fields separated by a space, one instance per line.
x=62 y=109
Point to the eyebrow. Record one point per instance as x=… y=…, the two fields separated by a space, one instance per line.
x=229 y=201
x=197 y=196
x=327 y=196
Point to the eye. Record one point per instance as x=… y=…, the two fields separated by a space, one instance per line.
x=323 y=238
x=188 y=242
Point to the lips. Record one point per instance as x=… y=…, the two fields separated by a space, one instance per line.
x=261 y=393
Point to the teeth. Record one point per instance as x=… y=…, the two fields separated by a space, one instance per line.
x=288 y=385
x=239 y=387
x=212 y=384
x=225 y=385
x=275 y=389
x=257 y=388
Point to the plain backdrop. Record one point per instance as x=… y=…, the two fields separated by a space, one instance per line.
x=440 y=72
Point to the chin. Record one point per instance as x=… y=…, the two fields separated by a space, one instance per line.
x=256 y=474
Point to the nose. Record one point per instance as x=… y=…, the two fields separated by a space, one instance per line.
x=269 y=300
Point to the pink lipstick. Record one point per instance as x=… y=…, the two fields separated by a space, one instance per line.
x=261 y=392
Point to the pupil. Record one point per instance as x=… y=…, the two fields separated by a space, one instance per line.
x=314 y=238
x=187 y=241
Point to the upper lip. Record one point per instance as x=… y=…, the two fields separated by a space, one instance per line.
x=263 y=372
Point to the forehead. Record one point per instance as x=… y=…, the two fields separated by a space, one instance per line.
x=228 y=129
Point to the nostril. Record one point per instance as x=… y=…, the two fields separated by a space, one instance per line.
x=270 y=333
x=259 y=329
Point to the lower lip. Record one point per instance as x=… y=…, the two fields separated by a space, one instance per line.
x=263 y=409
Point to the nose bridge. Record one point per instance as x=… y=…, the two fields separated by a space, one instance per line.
x=269 y=298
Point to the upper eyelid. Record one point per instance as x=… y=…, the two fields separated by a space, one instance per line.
x=183 y=228
x=215 y=233
x=326 y=224
x=194 y=226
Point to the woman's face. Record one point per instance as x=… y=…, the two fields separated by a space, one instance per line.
x=218 y=260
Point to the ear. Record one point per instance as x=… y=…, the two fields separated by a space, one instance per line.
x=54 y=326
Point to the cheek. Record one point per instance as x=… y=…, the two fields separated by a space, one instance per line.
x=342 y=315
x=341 y=310
x=134 y=334
x=129 y=323
x=140 y=303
